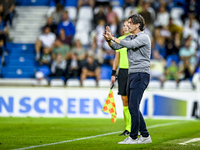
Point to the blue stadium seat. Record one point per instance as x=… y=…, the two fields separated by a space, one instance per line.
x=45 y=69
x=172 y=57
x=117 y=2
x=18 y=56
x=20 y=61
x=21 y=50
x=32 y=2
x=106 y=72
x=22 y=46
x=52 y=3
x=71 y=3
x=17 y=72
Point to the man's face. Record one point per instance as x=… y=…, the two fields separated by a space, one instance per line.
x=132 y=26
x=187 y=43
x=90 y=59
x=65 y=16
x=47 y=30
x=125 y=27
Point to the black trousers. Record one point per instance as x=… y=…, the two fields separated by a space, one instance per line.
x=137 y=83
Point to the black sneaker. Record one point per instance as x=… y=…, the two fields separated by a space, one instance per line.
x=125 y=133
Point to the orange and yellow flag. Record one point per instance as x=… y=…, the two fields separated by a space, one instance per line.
x=109 y=106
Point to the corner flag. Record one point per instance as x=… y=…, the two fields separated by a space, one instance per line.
x=109 y=106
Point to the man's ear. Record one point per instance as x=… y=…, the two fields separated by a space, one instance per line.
x=138 y=25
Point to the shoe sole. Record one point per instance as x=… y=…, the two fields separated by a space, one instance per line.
x=127 y=143
x=145 y=142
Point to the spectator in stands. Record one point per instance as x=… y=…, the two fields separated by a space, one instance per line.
x=86 y=3
x=171 y=4
x=188 y=53
x=147 y=15
x=57 y=15
x=3 y=32
x=192 y=6
x=108 y=54
x=159 y=42
x=162 y=17
x=58 y=66
x=65 y=39
x=102 y=2
x=60 y=48
x=155 y=5
x=1 y=52
x=173 y=28
x=114 y=26
x=61 y=2
x=90 y=69
x=97 y=51
x=51 y=24
x=157 y=67
x=99 y=16
x=2 y=14
x=171 y=72
x=173 y=44
x=73 y=66
x=110 y=15
x=45 y=40
x=139 y=5
x=191 y=27
x=80 y=51
x=67 y=25
x=186 y=70
x=128 y=3
x=46 y=58
x=193 y=43
x=8 y=7
x=196 y=75
x=100 y=27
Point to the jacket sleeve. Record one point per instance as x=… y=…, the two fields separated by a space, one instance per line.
x=115 y=46
x=135 y=43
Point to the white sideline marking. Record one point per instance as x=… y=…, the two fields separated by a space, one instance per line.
x=90 y=137
x=190 y=141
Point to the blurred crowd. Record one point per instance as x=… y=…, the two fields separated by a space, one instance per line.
x=6 y=17
x=174 y=35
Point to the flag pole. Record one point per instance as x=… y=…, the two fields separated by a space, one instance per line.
x=112 y=86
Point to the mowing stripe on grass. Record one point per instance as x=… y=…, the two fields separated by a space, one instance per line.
x=90 y=137
x=190 y=141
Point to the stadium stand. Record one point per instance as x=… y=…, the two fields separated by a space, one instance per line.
x=73 y=83
x=57 y=82
x=89 y=83
x=154 y=84
x=19 y=63
x=104 y=83
x=72 y=12
x=185 y=85
x=28 y=23
x=170 y=85
x=168 y=36
x=32 y=2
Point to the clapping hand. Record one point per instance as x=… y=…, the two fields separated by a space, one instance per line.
x=107 y=34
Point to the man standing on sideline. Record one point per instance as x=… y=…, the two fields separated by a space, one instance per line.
x=121 y=60
x=139 y=51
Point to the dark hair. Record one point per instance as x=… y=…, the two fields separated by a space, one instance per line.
x=137 y=18
x=46 y=26
x=125 y=20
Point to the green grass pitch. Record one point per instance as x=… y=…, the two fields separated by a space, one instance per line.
x=21 y=133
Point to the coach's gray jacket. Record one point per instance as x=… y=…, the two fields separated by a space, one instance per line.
x=138 y=51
